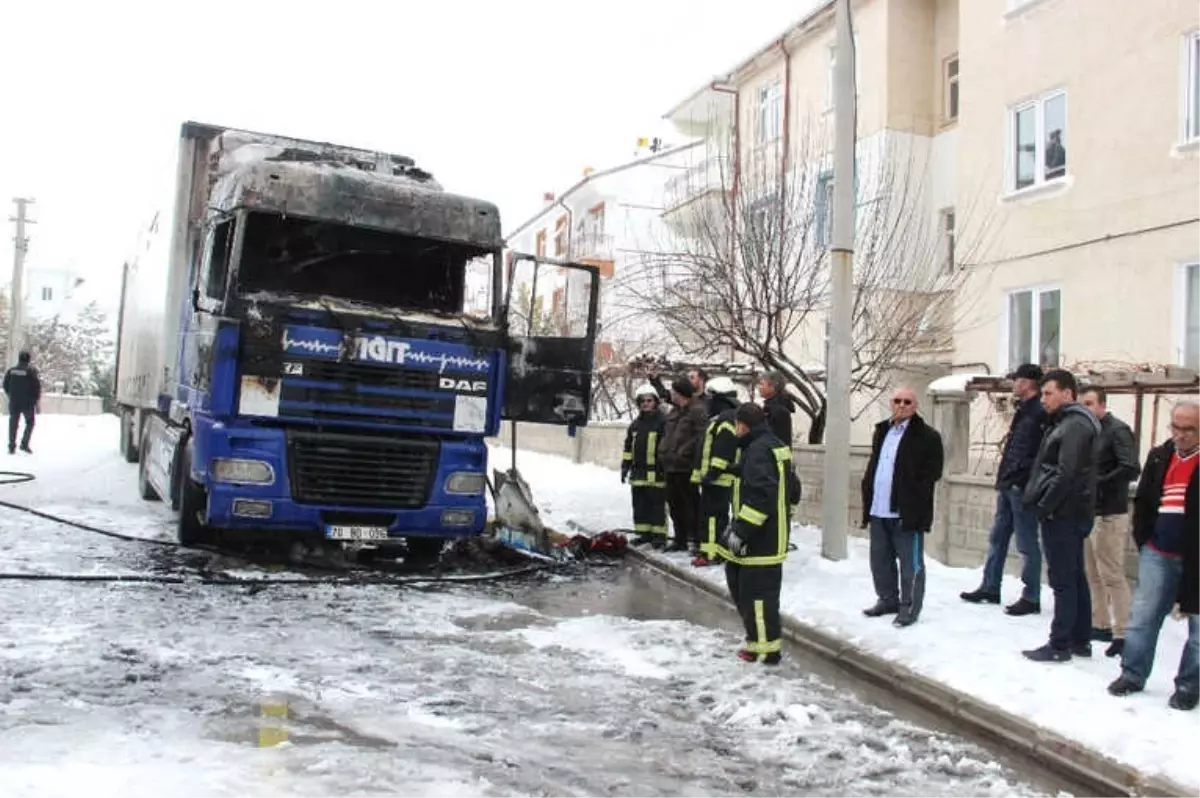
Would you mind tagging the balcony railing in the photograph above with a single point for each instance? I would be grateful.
(592, 245)
(708, 175)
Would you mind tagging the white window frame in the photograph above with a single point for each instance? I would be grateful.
(1035, 322)
(770, 113)
(1038, 104)
(948, 82)
(947, 226)
(1189, 123)
(1179, 336)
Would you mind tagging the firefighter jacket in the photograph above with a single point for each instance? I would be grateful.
(641, 461)
(762, 495)
(718, 449)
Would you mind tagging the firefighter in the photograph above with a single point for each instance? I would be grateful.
(24, 392)
(716, 457)
(641, 464)
(755, 543)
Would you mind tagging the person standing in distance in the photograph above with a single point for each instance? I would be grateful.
(1062, 491)
(897, 495)
(24, 392)
(684, 426)
(777, 405)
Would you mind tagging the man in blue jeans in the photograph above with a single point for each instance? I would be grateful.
(1020, 447)
(1165, 527)
(1062, 491)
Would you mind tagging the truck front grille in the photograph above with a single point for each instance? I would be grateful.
(361, 471)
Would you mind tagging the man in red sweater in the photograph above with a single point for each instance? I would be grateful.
(1167, 531)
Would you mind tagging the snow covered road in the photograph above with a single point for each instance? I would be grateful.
(605, 685)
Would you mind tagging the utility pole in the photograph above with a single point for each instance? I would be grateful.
(16, 321)
(836, 495)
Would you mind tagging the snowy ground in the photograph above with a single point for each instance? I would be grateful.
(975, 649)
(549, 686)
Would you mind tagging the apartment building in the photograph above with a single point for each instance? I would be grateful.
(610, 219)
(1056, 142)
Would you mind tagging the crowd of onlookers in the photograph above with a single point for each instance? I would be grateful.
(1062, 489)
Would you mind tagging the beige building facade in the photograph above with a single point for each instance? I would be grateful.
(1057, 144)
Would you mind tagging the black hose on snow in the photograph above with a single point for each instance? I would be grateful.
(20, 477)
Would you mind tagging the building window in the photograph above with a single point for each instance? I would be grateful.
(1190, 346)
(1034, 327)
(1191, 86)
(823, 218)
(770, 112)
(947, 225)
(47, 293)
(1039, 141)
(560, 237)
(950, 79)
(540, 244)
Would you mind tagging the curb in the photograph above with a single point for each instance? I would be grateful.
(1065, 756)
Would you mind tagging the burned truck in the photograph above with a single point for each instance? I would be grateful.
(319, 338)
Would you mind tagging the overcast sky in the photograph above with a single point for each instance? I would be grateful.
(500, 100)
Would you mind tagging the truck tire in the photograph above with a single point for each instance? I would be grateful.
(129, 446)
(190, 530)
(145, 489)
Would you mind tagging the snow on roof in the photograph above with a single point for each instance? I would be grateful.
(954, 383)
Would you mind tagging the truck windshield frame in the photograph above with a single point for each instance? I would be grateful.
(307, 257)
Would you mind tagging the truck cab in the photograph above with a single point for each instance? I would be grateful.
(339, 337)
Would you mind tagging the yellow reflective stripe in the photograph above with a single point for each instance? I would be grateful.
(725, 425)
(719, 462)
(651, 445)
(706, 451)
(709, 546)
(724, 481)
(645, 483)
(781, 508)
(782, 454)
(771, 647)
(749, 514)
(760, 626)
(627, 456)
(773, 559)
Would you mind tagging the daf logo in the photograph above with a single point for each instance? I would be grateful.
(462, 386)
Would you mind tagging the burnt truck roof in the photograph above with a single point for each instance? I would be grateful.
(330, 182)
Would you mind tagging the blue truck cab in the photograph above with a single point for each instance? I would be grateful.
(322, 339)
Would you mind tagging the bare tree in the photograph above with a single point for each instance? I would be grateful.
(748, 271)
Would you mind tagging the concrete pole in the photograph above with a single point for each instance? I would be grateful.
(836, 497)
(16, 322)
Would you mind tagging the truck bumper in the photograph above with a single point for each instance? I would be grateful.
(273, 507)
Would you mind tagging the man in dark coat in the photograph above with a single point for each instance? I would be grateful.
(641, 464)
(1166, 529)
(755, 543)
(777, 405)
(685, 424)
(24, 391)
(1062, 491)
(1020, 447)
(1104, 551)
(897, 496)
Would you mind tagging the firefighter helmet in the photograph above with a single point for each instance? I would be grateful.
(721, 386)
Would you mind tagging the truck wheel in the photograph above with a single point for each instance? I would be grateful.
(145, 489)
(129, 447)
(190, 530)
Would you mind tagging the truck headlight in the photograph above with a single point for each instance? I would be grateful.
(245, 472)
(465, 483)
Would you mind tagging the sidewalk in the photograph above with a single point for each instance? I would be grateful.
(975, 650)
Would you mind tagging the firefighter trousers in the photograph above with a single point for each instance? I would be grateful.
(714, 509)
(649, 509)
(755, 591)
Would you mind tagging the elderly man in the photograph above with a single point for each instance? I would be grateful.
(1165, 529)
(897, 495)
(1062, 491)
(777, 405)
(1104, 552)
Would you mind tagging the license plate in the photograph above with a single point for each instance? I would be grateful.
(341, 532)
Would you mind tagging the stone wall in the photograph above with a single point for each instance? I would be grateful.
(65, 404)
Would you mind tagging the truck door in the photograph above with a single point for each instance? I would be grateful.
(550, 312)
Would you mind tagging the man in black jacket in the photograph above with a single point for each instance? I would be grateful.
(1020, 447)
(897, 495)
(1062, 491)
(1104, 552)
(685, 424)
(24, 392)
(754, 545)
(777, 405)
(1165, 524)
